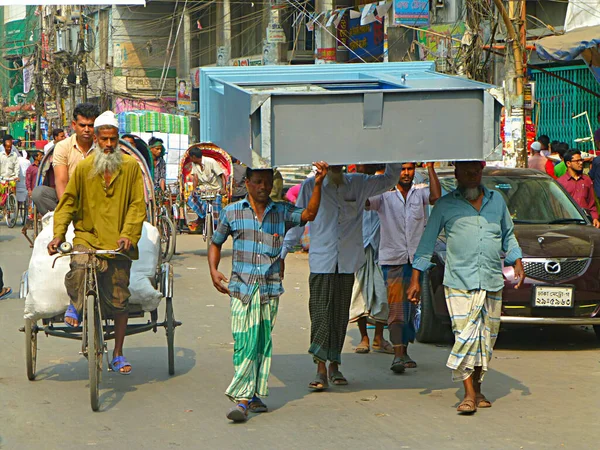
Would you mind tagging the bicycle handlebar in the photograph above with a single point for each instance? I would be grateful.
(66, 249)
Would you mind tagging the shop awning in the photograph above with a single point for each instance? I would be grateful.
(581, 42)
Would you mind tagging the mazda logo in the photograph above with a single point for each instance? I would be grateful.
(552, 267)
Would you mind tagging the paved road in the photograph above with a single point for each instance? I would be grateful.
(544, 384)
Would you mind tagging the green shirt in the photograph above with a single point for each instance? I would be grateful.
(102, 215)
(560, 169)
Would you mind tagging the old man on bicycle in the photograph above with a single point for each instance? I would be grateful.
(209, 181)
(105, 201)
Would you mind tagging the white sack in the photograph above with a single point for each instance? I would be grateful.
(47, 296)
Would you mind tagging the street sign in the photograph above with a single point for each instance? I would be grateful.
(150, 84)
(51, 110)
(275, 35)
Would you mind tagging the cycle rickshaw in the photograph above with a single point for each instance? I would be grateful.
(96, 327)
(186, 217)
(9, 207)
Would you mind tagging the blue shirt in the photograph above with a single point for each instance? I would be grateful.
(370, 230)
(474, 241)
(336, 241)
(595, 174)
(256, 246)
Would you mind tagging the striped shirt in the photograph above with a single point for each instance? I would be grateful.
(256, 246)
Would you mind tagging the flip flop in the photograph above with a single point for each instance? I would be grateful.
(256, 405)
(118, 363)
(239, 413)
(362, 349)
(320, 383)
(467, 407)
(385, 348)
(398, 366)
(482, 402)
(7, 291)
(71, 313)
(338, 379)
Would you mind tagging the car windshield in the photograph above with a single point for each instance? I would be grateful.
(536, 200)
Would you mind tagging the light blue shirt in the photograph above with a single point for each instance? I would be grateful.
(474, 241)
(370, 230)
(336, 240)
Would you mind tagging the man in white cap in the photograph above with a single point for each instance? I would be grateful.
(67, 154)
(537, 161)
(105, 200)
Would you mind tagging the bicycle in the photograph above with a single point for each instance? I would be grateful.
(165, 226)
(212, 199)
(8, 202)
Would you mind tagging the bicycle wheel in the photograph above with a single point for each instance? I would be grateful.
(30, 348)
(170, 318)
(11, 210)
(208, 229)
(94, 350)
(167, 238)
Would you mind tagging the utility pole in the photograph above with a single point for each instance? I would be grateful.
(325, 40)
(39, 80)
(223, 33)
(516, 154)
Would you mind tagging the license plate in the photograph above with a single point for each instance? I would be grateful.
(553, 297)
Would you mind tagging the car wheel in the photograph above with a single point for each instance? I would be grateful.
(429, 327)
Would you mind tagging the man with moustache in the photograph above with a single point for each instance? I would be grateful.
(257, 225)
(105, 200)
(578, 185)
(402, 216)
(336, 253)
(478, 228)
(67, 154)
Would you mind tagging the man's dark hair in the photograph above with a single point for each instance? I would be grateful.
(250, 172)
(561, 149)
(154, 140)
(544, 140)
(553, 144)
(196, 152)
(8, 137)
(569, 155)
(56, 132)
(87, 110)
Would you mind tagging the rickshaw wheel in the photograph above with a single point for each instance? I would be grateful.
(11, 210)
(30, 348)
(167, 239)
(170, 318)
(208, 226)
(94, 351)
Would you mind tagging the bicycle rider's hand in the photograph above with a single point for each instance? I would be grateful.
(219, 281)
(53, 246)
(124, 244)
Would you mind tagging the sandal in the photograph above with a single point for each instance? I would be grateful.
(385, 348)
(362, 349)
(5, 293)
(398, 365)
(71, 313)
(118, 363)
(482, 402)
(256, 405)
(408, 362)
(467, 406)
(320, 383)
(239, 413)
(338, 379)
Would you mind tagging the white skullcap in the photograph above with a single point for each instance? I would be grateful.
(536, 146)
(107, 118)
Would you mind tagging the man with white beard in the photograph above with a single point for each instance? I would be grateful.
(336, 253)
(478, 228)
(105, 200)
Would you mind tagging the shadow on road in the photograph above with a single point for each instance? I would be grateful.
(556, 337)
(149, 366)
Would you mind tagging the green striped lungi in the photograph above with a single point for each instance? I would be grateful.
(251, 326)
(475, 321)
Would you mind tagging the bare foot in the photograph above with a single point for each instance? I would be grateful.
(71, 321)
(363, 347)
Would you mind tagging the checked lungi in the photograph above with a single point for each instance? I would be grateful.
(401, 311)
(251, 326)
(329, 307)
(369, 294)
(475, 321)
(200, 206)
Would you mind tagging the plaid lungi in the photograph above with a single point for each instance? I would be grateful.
(369, 295)
(251, 326)
(329, 307)
(475, 321)
(402, 312)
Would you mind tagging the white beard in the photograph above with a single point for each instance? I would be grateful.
(106, 162)
(470, 194)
